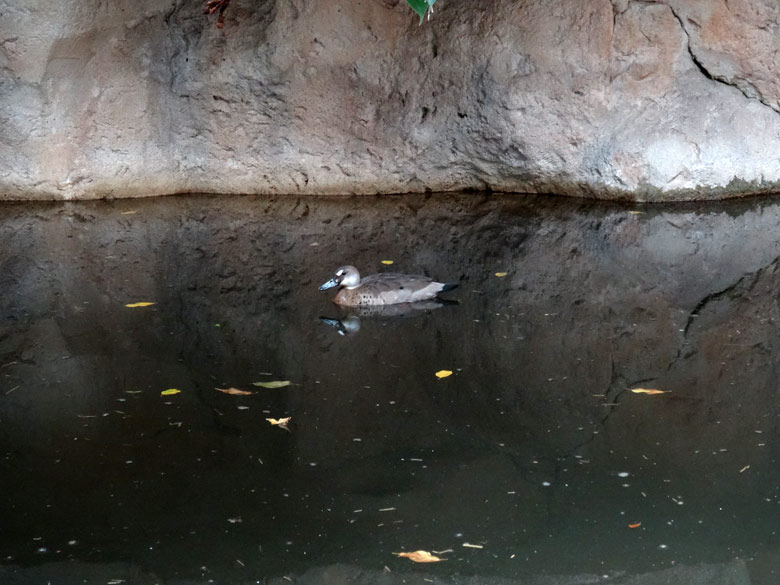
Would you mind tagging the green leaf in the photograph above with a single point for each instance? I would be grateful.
(274, 384)
(421, 7)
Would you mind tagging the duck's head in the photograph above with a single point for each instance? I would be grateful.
(346, 326)
(345, 276)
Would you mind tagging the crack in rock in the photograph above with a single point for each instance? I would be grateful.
(755, 95)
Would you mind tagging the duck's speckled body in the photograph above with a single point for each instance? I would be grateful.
(382, 289)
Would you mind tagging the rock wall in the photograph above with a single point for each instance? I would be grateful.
(676, 99)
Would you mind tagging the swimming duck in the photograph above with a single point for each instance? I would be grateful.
(382, 289)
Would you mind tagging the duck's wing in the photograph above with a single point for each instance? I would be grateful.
(393, 288)
(395, 280)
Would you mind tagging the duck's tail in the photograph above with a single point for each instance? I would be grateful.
(448, 287)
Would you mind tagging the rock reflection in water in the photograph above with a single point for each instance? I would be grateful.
(534, 448)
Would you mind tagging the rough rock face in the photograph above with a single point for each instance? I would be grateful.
(677, 99)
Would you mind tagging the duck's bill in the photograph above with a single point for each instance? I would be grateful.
(350, 324)
(330, 284)
(335, 323)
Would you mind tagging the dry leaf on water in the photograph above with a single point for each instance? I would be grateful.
(274, 384)
(420, 556)
(647, 391)
(280, 422)
(501, 274)
(635, 525)
(234, 391)
(387, 262)
(443, 374)
(170, 392)
(136, 305)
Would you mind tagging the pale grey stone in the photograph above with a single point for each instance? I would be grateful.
(651, 101)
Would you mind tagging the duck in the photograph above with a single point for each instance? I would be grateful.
(386, 288)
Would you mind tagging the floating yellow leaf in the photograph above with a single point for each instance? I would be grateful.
(274, 384)
(131, 212)
(170, 392)
(388, 262)
(234, 391)
(635, 525)
(443, 374)
(280, 422)
(647, 391)
(136, 305)
(501, 274)
(420, 556)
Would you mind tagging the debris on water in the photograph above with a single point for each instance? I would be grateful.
(650, 391)
(280, 422)
(273, 384)
(235, 391)
(419, 556)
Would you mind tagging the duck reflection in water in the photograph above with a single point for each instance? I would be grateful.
(350, 323)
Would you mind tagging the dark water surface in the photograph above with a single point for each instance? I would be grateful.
(534, 449)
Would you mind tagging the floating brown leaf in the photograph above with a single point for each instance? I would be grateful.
(234, 391)
(420, 556)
